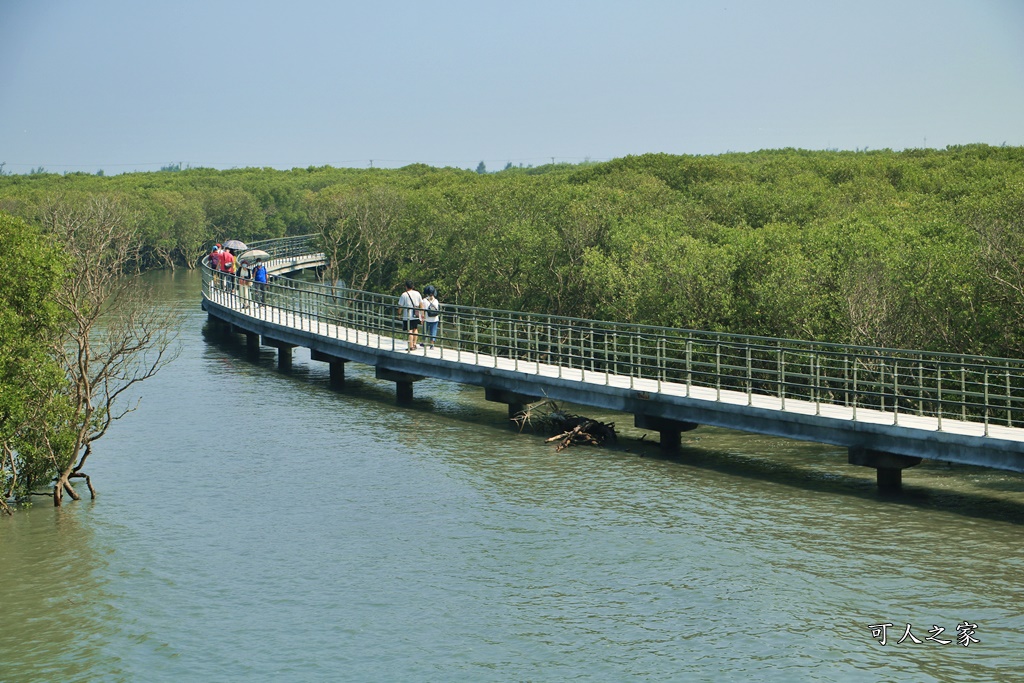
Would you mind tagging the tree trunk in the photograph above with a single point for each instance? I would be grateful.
(63, 486)
(88, 481)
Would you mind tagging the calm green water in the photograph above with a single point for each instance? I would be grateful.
(254, 525)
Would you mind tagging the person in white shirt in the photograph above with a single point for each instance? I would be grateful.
(412, 313)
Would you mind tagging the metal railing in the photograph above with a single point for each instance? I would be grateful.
(901, 382)
(285, 247)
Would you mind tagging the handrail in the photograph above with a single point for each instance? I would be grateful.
(898, 381)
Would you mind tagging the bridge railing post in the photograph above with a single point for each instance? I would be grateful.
(963, 393)
(476, 339)
(632, 361)
(816, 373)
(607, 359)
(718, 371)
(881, 386)
(921, 385)
(896, 392)
(846, 379)
(782, 378)
(659, 359)
(986, 401)
(749, 379)
(1009, 413)
(689, 367)
(855, 393)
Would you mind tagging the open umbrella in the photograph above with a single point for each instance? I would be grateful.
(235, 244)
(254, 254)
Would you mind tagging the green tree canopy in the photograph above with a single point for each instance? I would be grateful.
(914, 248)
(32, 402)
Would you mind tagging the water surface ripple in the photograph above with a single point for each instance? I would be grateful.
(255, 525)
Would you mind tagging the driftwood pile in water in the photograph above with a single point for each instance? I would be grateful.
(568, 429)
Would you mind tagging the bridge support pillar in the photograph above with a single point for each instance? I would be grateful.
(516, 402)
(217, 325)
(338, 374)
(252, 343)
(668, 430)
(403, 383)
(403, 393)
(337, 365)
(889, 466)
(284, 352)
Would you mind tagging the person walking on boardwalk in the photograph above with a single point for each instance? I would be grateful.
(412, 314)
(431, 313)
(227, 265)
(215, 264)
(260, 277)
(245, 283)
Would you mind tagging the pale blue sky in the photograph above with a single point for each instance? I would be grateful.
(125, 85)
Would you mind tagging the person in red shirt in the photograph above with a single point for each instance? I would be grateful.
(215, 263)
(227, 265)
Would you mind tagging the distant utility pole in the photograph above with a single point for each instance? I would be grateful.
(371, 163)
(552, 161)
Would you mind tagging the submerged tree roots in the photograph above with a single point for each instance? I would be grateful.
(545, 416)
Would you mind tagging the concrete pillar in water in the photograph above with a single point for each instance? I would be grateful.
(668, 430)
(252, 343)
(888, 466)
(337, 365)
(338, 374)
(216, 325)
(403, 383)
(284, 352)
(516, 402)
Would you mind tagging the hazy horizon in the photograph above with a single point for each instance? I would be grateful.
(120, 86)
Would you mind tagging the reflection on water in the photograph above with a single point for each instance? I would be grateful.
(255, 524)
(53, 597)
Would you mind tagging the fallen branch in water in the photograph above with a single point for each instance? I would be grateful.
(569, 429)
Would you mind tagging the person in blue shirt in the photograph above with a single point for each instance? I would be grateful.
(259, 276)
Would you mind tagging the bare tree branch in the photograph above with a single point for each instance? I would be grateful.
(116, 338)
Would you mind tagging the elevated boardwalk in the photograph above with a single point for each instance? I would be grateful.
(888, 408)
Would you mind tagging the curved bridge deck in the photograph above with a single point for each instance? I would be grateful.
(888, 408)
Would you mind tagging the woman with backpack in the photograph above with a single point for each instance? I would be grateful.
(431, 312)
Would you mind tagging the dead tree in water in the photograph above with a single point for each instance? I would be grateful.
(568, 429)
(116, 337)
